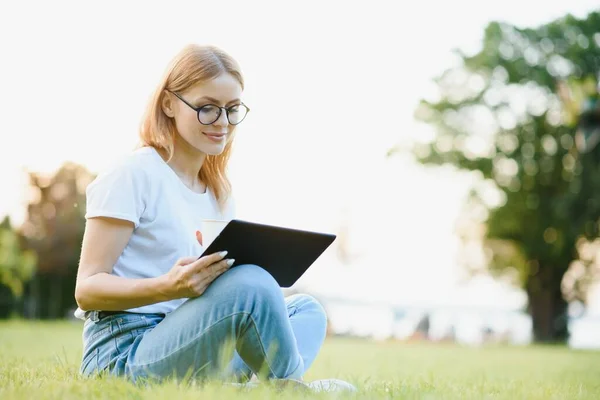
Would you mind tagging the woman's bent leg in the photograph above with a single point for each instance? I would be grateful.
(309, 324)
(244, 307)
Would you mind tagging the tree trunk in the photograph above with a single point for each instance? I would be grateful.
(7, 302)
(547, 306)
(56, 298)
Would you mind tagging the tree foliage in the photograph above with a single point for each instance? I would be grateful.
(54, 230)
(17, 267)
(510, 114)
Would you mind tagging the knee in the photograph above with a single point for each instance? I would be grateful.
(307, 304)
(253, 281)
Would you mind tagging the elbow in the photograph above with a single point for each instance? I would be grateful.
(85, 292)
(81, 297)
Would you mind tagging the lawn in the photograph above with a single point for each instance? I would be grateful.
(40, 360)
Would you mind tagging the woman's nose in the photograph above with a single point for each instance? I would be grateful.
(222, 120)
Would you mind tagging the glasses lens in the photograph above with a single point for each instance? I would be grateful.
(208, 114)
(236, 114)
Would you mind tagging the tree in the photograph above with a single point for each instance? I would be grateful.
(16, 268)
(503, 115)
(54, 230)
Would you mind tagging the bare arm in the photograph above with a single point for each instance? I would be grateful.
(97, 289)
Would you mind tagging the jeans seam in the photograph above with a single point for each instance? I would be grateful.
(262, 346)
(118, 333)
(191, 342)
(97, 333)
(85, 363)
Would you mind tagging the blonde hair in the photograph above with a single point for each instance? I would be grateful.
(192, 65)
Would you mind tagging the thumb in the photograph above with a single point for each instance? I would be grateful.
(199, 237)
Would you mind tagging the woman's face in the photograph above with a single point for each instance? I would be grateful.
(222, 91)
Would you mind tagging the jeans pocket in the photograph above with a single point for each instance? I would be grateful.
(129, 322)
(126, 329)
(92, 330)
(108, 341)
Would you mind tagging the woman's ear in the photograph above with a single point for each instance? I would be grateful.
(167, 105)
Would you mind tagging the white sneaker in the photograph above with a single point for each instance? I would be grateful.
(321, 385)
(278, 384)
(332, 385)
(241, 386)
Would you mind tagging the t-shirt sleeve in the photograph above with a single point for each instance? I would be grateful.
(117, 193)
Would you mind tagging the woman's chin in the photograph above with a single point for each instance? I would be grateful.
(211, 150)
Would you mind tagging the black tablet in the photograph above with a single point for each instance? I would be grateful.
(283, 252)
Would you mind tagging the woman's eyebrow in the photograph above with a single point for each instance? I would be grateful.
(213, 100)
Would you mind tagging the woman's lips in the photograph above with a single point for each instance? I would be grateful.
(215, 137)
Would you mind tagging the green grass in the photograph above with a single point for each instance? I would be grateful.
(40, 360)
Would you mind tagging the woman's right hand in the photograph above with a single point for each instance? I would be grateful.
(190, 276)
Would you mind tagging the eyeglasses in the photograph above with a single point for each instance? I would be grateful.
(209, 113)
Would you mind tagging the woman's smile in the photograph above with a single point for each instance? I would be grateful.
(215, 136)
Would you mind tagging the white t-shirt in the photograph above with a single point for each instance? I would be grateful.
(166, 214)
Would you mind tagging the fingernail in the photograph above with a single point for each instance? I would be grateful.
(230, 262)
(223, 253)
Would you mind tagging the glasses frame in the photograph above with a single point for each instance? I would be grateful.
(198, 109)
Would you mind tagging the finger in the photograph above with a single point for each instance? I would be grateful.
(222, 266)
(199, 237)
(215, 269)
(208, 277)
(205, 261)
(200, 281)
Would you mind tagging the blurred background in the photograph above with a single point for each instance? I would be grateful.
(452, 146)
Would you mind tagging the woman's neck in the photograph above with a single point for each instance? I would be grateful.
(186, 163)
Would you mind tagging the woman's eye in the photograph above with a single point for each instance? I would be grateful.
(208, 109)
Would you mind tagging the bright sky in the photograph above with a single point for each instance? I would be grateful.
(332, 86)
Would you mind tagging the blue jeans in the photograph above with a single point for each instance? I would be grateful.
(268, 334)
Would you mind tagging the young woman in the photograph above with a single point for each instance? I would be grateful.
(152, 309)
